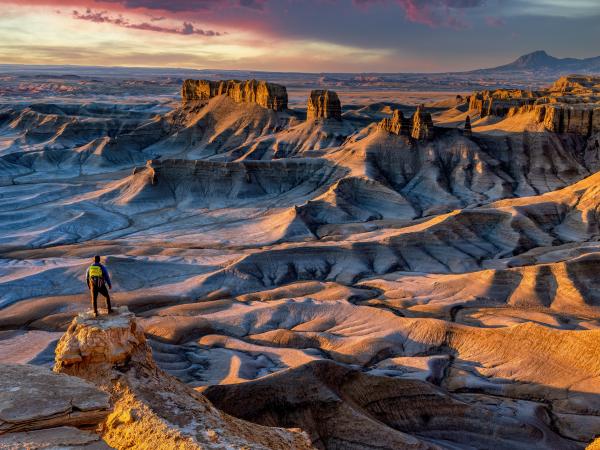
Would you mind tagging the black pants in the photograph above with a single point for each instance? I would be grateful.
(95, 289)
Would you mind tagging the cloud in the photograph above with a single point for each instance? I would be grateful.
(188, 5)
(187, 28)
(496, 22)
(434, 13)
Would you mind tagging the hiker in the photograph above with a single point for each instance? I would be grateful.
(97, 280)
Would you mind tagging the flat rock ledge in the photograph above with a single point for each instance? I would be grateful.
(34, 398)
(53, 439)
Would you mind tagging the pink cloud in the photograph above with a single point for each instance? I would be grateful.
(186, 28)
(434, 13)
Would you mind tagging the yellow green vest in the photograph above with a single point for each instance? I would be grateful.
(95, 271)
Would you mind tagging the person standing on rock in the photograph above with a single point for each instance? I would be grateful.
(97, 279)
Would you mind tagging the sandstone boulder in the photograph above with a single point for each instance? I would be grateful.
(268, 95)
(323, 104)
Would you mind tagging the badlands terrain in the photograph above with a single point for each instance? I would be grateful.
(306, 270)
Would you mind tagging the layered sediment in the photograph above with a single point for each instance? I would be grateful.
(268, 95)
(570, 105)
(323, 104)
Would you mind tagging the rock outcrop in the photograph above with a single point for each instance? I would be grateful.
(34, 398)
(92, 348)
(323, 104)
(570, 105)
(268, 95)
(397, 124)
(419, 126)
(501, 101)
(151, 409)
(67, 438)
(422, 124)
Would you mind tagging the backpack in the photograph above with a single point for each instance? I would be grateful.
(96, 275)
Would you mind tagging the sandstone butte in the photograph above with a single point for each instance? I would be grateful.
(323, 104)
(268, 95)
(419, 126)
(570, 105)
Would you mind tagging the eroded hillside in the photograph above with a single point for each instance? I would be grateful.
(379, 277)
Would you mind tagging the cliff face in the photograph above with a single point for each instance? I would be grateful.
(570, 105)
(582, 119)
(151, 409)
(419, 126)
(323, 105)
(268, 95)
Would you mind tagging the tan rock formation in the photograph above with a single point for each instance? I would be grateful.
(577, 84)
(151, 409)
(595, 445)
(323, 104)
(397, 124)
(422, 124)
(581, 119)
(501, 101)
(268, 95)
(93, 347)
(570, 105)
(419, 126)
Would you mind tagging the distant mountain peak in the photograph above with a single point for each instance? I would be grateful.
(540, 59)
(535, 59)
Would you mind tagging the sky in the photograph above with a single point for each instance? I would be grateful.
(296, 35)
